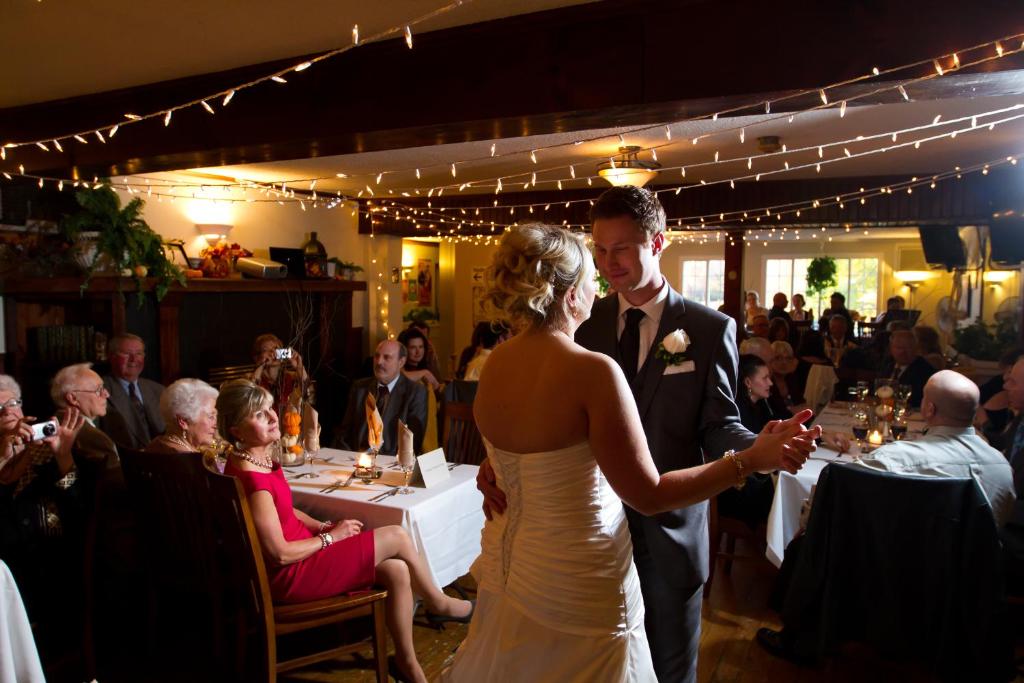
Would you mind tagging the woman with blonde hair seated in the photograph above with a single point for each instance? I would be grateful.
(308, 559)
(189, 411)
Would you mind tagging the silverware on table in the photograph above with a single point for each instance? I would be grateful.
(386, 494)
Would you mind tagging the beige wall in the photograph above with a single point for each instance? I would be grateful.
(258, 226)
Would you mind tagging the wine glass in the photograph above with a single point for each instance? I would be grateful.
(903, 392)
(407, 463)
(898, 429)
(860, 427)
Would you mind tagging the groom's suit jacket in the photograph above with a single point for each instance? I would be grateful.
(407, 402)
(688, 417)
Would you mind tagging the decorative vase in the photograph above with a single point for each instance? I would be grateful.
(315, 256)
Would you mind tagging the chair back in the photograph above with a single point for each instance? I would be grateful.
(172, 506)
(910, 565)
(242, 559)
(460, 391)
(461, 439)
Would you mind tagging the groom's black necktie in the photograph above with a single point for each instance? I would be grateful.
(629, 343)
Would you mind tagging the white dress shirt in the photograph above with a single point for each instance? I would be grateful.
(952, 452)
(649, 324)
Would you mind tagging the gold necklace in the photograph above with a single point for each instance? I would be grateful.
(175, 439)
(248, 457)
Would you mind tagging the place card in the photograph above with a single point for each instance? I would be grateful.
(431, 469)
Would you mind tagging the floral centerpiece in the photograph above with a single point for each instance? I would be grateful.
(219, 260)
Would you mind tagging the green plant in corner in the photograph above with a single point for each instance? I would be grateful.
(821, 276)
(421, 315)
(124, 239)
(346, 265)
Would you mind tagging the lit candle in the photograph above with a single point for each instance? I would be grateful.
(364, 461)
(875, 438)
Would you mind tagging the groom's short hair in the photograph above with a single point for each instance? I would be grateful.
(635, 202)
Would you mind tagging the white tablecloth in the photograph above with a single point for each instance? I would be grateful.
(19, 661)
(444, 522)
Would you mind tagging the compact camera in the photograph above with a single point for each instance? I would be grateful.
(282, 354)
(42, 430)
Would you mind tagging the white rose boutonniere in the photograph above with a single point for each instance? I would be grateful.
(672, 348)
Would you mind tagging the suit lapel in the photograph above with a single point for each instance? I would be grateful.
(647, 380)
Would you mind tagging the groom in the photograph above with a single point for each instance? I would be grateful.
(687, 416)
(687, 410)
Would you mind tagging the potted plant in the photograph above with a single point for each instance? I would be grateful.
(821, 276)
(124, 242)
(421, 314)
(346, 269)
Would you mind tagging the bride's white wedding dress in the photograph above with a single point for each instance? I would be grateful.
(558, 596)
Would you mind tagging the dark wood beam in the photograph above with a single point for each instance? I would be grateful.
(593, 65)
(969, 200)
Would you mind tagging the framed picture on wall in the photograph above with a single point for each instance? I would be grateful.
(425, 282)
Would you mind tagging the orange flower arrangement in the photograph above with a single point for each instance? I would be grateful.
(219, 260)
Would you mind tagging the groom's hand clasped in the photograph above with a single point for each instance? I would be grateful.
(784, 444)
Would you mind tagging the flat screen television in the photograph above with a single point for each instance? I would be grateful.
(1006, 241)
(942, 246)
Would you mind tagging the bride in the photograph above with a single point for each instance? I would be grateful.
(558, 595)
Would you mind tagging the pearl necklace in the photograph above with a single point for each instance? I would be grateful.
(248, 457)
(180, 441)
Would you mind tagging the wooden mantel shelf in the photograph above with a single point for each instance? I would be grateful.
(107, 285)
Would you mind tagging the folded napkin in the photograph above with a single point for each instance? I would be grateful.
(406, 454)
(374, 425)
(311, 426)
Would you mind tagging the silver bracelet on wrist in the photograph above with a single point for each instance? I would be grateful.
(325, 540)
(326, 526)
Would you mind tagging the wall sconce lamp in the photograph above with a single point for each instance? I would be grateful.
(995, 278)
(913, 278)
(213, 232)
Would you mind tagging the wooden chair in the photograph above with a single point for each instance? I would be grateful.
(461, 439)
(217, 376)
(264, 620)
(729, 529)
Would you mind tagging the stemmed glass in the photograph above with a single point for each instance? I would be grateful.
(860, 427)
(407, 463)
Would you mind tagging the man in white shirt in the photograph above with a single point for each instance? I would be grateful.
(951, 447)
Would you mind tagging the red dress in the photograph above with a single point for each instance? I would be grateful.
(345, 566)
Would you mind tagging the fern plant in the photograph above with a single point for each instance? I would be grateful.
(124, 238)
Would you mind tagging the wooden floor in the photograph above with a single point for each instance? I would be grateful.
(728, 652)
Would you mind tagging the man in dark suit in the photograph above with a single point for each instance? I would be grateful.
(778, 310)
(398, 398)
(906, 365)
(133, 410)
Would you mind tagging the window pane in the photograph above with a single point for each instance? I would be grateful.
(716, 283)
(695, 275)
(863, 296)
(778, 278)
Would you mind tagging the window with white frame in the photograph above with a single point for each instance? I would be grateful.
(704, 281)
(857, 277)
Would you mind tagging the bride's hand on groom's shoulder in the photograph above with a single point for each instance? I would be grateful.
(784, 444)
(494, 498)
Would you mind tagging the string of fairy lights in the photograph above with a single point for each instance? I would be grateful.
(102, 133)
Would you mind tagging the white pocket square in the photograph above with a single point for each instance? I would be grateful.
(686, 366)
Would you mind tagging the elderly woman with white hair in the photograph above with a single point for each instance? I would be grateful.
(189, 410)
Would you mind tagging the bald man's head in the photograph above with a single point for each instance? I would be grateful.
(950, 399)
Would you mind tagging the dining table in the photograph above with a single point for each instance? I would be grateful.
(443, 521)
(793, 491)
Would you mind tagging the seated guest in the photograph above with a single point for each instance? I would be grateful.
(786, 381)
(301, 563)
(80, 387)
(837, 341)
(470, 351)
(757, 346)
(778, 330)
(906, 366)
(133, 407)
(759, 326)
(930, 346)
(893, 303)
(281, 377)
(752, 502)
(951, 448)
(753, 307)
(398, 398)
(837, 306)
(189, 409)
(489, 338)
(798, 313)
(778, 309)
(421, 364)
(994, 413)
(812, 348)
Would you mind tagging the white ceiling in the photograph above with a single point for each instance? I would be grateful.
(806, 130)
(54, 49)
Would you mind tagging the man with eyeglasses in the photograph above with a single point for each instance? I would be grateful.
(133, 407)
(79, 386)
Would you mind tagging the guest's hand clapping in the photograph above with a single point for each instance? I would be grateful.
(783, 445)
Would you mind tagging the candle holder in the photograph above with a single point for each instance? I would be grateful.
(366, 469)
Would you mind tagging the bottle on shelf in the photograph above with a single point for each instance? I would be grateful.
(315, 256)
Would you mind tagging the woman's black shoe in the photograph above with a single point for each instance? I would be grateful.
(439, 620)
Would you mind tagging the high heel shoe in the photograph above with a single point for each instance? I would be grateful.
(438, 620)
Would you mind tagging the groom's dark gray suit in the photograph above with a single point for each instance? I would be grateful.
(688, 417)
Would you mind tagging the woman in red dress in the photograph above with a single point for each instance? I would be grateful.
(308, 559)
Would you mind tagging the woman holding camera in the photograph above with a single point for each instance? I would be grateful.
(279, 369)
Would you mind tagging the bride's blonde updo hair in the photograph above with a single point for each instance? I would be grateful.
(534, 267)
